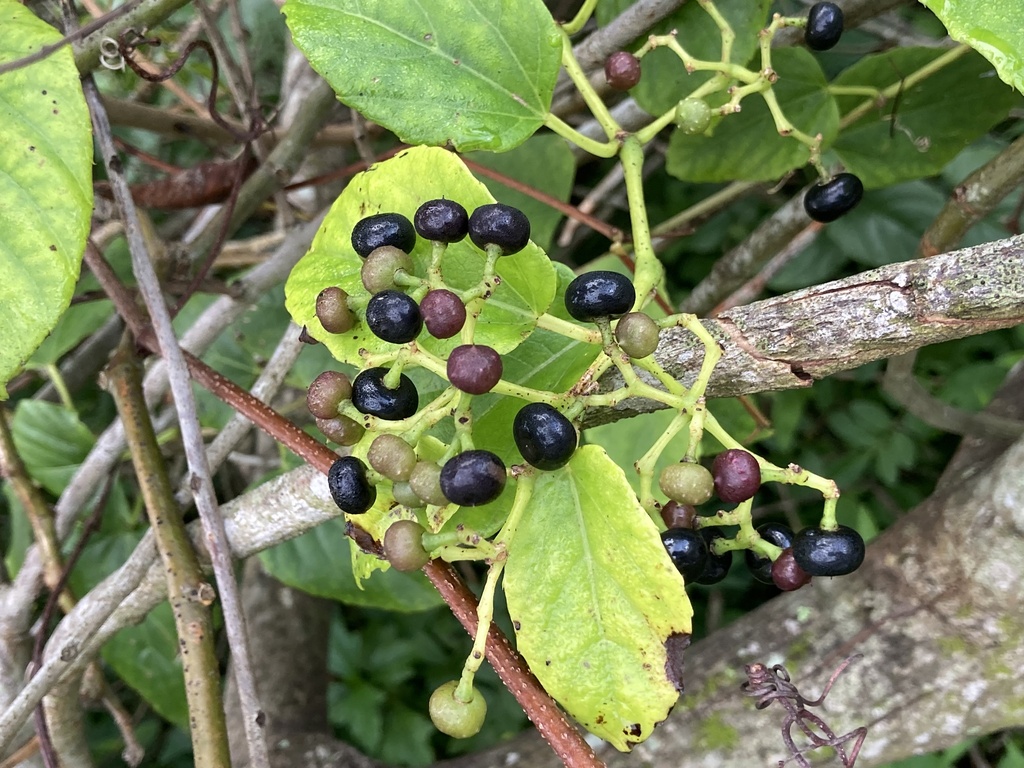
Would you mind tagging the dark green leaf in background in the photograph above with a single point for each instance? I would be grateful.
(51, 441)
(45, 185)
(477, 74)
(934, 120)
(746, 146)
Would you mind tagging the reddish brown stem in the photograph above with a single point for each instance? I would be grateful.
(553, 725)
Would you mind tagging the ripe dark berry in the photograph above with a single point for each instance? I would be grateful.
(474, 368)
(676, 515)
(350, 489)
(383, 229)
(827, 202)
(637, 334)
(378, 271)
(622, 70)
(341, 430)
(403, 546)
(332, 310)
(545, 437)
(500, 225)
(686, 482)
(393, 316)
(717, 566)
(456, 718)
(787, 575)
(737, 475)
(774, 533)
(824, 26)
(688, 551)
(473, 478)
(371, 396)
(328, 391)
(425, 482)
(392, 457)
(828, 553)
(442, 220)
(599, 294)
(443, 313)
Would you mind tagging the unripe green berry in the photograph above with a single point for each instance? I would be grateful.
(342, 430)
(332, 310)
(392, 456)
(406, 496)
(458, 719)
(687, 483)
(378, 271)
(403, 546)
(425, 482)
(693, 116)
(637, 334)
(326, 393)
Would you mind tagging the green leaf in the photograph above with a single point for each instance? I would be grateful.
(477, 74)
(991, 27)
(626, 440)
(665, 80)
(934, 120)
(45, 186)
(146, 655)
(747, 146)
(51, 441)
(76, 324)
(545, 163)
(401, 185)
(600, 611)
(319, 562)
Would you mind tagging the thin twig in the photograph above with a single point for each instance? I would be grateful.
(202, 483)
(187, 590)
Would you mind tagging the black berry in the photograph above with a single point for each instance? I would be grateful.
(500, 225)
(327, 391)
(787, 575)
(442, 220)
(456, 718)
(688, 551)
(403, 546)
(544, 437)
(443, 313)
(392, 457)
(717, 566)
(474, 368)
(383, 229)
(824, 26)
(350, 489)
(622, 70)
(828, 553)
(737, 475)
(774, 533)
(686, 482)
(378, 271)
(827, 202)
(332, 310)
(393, 316)
(637, 334)
(371, 396)
(599, 294)
(473, 478)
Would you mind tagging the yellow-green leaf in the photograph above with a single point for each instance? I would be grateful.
(599, 610)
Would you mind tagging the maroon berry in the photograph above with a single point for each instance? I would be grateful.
(737, 475)
(443, 313)
(678, 515)
(327, 392)
(474, 368)
(787, 574)
(622, 70)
